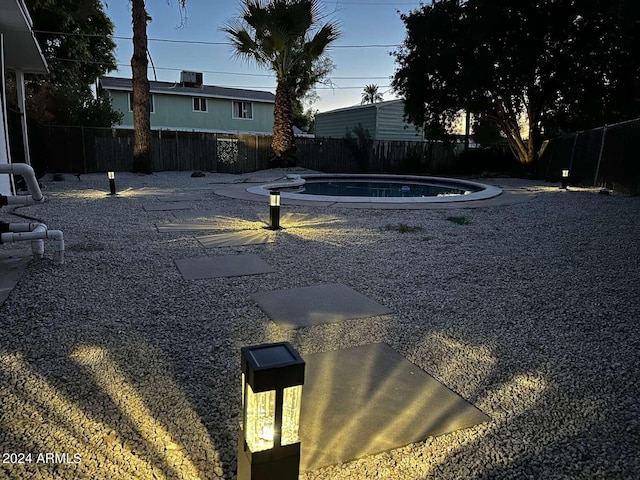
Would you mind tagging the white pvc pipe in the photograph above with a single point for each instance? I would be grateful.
(37, 245)
(36, 233)
(29, 177)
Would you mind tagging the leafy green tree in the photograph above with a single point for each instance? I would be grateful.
(286, 37)
(302, 82)
(301, 118)
(371, 94)
(74, 36)
(527, 67)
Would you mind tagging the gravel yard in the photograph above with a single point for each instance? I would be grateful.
(125, 370)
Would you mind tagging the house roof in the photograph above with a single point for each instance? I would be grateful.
(21, 50)
(176, 88)
(366, 105)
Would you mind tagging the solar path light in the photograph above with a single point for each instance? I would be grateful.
(268, 439)
(565, 178)
(112, 182)
(274, 209)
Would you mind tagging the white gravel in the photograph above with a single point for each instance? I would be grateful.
(530, 311)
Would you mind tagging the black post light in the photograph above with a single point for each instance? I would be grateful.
(565, 178)
(112, 182)
(274, 209)
(268, 439)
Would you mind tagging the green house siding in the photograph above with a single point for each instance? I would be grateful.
(391, 126)
(383, 120)
(176, 112)
(337, 123)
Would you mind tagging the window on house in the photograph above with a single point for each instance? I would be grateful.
(151, 102)
(199, 104)
(243, 110)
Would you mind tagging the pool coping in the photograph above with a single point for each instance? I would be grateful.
(509, 195)
(487, 191)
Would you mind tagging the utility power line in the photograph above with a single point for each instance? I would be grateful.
(198, 42)
(265, 75)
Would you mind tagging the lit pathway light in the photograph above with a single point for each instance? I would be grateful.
(565, 178)
(268, 439)
(274, 209)
(112, 182)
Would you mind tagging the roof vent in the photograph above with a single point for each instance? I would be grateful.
(191, 79)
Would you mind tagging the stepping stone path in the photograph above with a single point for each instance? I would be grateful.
(365, 400)
(357, 401)
(315, 305)
(254, 237)
(222, 266)
(165, 206)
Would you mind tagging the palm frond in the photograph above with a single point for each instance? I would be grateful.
(322, 39)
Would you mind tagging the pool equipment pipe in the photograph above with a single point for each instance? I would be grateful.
(36, 233)
(24, 170)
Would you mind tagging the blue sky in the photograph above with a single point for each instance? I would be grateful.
(362, 22)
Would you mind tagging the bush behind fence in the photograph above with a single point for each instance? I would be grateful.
(93, 150)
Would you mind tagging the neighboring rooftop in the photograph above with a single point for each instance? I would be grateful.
(365, 105)
(177, 88)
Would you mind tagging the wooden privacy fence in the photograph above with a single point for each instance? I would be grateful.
(92, 150)
(602, 157)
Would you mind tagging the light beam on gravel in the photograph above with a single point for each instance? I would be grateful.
(54, 423)
(109, 377)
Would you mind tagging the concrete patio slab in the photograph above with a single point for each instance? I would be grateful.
(193, 214)
(315, 305)
(297, 220)
(214, 221)
(253, 237)
(12, 265)
(369, 399)
(182, 198)
(222, 266)
(165, 206)
(186, 227)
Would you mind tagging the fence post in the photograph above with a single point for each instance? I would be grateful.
(84, 151)
(604, 136)
(160, 152)
(573, 151)
(177, 151)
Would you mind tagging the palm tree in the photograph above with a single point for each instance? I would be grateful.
(371, 94)
(284, 36)
(140, 82)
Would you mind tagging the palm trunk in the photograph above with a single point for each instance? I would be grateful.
(284, 143)
(141, 105)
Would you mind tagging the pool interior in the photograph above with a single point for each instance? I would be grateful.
(370, 188)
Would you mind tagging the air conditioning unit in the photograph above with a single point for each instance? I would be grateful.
(191, 79)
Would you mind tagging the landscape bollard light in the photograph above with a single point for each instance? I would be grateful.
(565, 178)
(268, 438)
(112, 182)
(274, 209)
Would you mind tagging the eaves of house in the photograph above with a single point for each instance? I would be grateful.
(176, 88)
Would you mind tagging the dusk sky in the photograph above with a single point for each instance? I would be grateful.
(371, 29)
